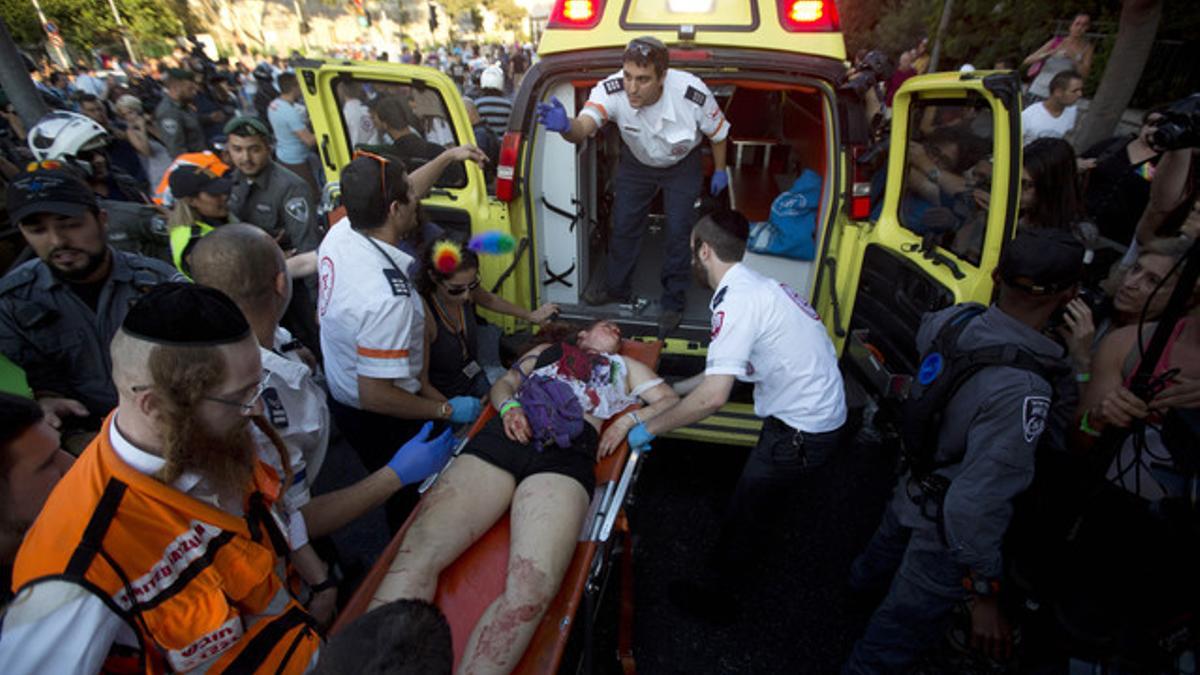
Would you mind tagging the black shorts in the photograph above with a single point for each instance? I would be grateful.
(522, 461)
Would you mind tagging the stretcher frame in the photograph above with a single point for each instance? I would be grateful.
(469, 585)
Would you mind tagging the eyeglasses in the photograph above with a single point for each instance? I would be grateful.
(383, 164)
(246, 408)
(459, 290)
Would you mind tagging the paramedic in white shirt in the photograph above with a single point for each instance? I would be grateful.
(372, 321)
(662, 114)
(246, 263)
(762, 332)
(1054, 117)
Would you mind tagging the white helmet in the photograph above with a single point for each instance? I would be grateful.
(63, 135)
(492, 78)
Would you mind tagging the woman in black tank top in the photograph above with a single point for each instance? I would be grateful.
(451, 329)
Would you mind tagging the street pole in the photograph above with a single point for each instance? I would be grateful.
(936, 53)
(63, 61)
(14, 79)
(300, 22)
(121, 27)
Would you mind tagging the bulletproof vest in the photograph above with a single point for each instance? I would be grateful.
(945, 367)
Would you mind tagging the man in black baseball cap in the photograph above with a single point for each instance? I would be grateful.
(930, 558)
(58, 311)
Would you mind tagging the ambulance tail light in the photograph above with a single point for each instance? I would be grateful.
(506, 169)
(860, 186)
(575, 14)
(808, 16)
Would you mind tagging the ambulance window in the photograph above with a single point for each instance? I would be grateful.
(948, 177)
(372, 111)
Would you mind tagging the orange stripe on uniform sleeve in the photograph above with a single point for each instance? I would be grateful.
(603, 112)
(383, 353)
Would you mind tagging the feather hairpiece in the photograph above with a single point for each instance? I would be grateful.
(492, 243)
(446, 256)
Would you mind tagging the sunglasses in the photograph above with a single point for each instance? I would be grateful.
(641, 48)
(383, 164)
(459, 290)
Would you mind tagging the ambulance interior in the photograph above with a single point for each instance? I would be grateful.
(778, 131)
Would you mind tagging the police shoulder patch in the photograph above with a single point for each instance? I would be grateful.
(695, 96)
(1033, 417)
(614, 85)
(297, 207)
(170, 125)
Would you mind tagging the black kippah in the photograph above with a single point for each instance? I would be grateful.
(182, 314)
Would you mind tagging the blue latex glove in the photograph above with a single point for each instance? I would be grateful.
(639, 439)
(464, 409)
(720, 181)
(553, 115)
(420, 457)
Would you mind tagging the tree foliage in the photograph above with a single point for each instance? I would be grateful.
(980, 31)
(89, 24)
(509, 13)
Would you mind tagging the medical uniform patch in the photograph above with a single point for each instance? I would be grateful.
(614, 85)
(695, 96)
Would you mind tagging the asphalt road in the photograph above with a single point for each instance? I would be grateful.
(794, 618)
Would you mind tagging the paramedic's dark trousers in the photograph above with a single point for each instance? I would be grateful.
(376, 438)
(636, 185)
(917, 609)
(775, 472)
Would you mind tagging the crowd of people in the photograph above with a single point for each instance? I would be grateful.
(191, 331)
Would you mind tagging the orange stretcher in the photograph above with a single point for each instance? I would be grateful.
(471, 583)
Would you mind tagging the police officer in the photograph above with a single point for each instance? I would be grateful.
(181, 130)
(990, 428)
(59, 312)
(762, 332)
(372, 319)
(265, 193)
(77, 140)
(661, 114)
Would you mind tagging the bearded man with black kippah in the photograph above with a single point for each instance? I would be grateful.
(163, 549)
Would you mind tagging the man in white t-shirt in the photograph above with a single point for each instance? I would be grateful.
(372, 319)
(1054, 117)
(662, 114)
(359, 123)
(762, 332)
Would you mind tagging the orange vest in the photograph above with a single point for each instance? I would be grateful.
(204, 160)
(200, 587)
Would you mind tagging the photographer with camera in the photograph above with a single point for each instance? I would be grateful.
(1172, 210)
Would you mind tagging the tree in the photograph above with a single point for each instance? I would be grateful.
(87, 24)
(510, 15)
(1123, 70)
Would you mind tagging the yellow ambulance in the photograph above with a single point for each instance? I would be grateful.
(893, 238)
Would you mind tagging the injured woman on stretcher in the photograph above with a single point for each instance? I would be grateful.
(538, 457)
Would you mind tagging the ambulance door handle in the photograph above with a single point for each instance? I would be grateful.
(831, 265)
(325, 153)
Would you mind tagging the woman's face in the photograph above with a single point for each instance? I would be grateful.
(1140, 281)
(456, 290)
(1028, 191)
(1080, 25)
(602, 337)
